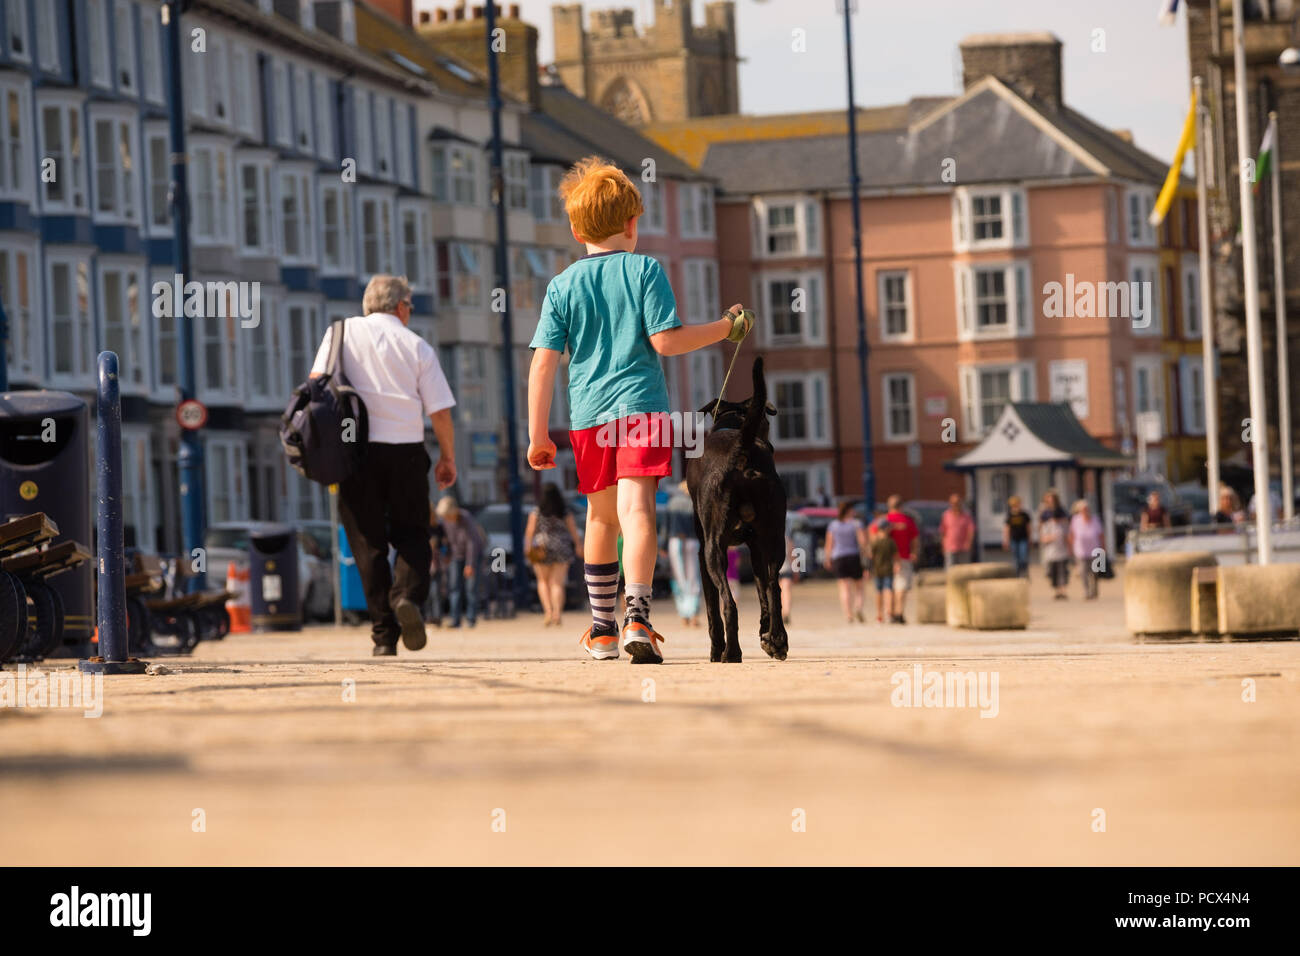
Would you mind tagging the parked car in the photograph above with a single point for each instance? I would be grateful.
(227, 541)
(1131, 497)
(1197, 498)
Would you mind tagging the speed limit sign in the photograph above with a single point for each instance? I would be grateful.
(191, 414)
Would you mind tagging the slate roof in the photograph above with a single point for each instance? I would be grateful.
(992, 132)
(1055, 424)
(566, 128)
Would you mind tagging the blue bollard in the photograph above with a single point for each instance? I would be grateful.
(114, 654)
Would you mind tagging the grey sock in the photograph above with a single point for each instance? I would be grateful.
(637, 597)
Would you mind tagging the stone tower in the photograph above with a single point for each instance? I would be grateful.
(671, 70)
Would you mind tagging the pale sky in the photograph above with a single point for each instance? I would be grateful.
(909, 48)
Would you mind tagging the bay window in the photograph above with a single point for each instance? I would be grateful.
(544, 197)
(516, 181)
(151, 54)
(157, 144)
(376, 212)
(72, 330)
(226, 457)
(47, 37)
(302, 111)
(19, 293)
(113, 140)
(303, 331)
(295, 215)
(16, 31)
(97, 37)
(455, 174)
(460, 279)
(256, 207)
(210, 192)
(324, 117)
(124, 35)
(61, 142)
(416, 243)
(123, 300)
(15, 140)
(336, 226)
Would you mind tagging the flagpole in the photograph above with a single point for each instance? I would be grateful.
(1250, 273)
(1209, 377)
(1283, 363)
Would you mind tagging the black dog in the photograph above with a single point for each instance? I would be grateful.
(739, 499)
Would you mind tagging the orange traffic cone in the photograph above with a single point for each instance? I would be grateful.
(241, 614)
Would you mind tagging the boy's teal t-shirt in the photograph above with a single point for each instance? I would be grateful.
(604, 308)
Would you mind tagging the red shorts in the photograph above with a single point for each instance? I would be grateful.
(634, 447)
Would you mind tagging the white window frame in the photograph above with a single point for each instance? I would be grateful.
(138, 508)
(101, 70)
(386, 233)
(544, 198)
(515, 180)
(280, 103)
(1191, 371)
(134, 354)
(81, 331)
(805, 226)
(456, 173)
(158, 175)
(1138, 203)
(702, 298)
(1021, 385)
(303, 187)
(1190, 294)
(1154, 368)
(304, 115)
(346, 237)
(165, 340)
(243, 103)
(363, 141)
(813, 382)
(419, 211)
(323, 105)
(812, 327)
(232, 505)
(263, 202)
(224, 332)
(48, 56)
(69, 173)
(212, 155)
(655, 220)
(1013, 215)
(16, 25)
(1081, 405)
(16, 158)
(815, 475)
(695, 210)
(126, 184)
(1020, 295)
(151, 68)
(265, 337)
(889, 406)
(126, 78)
(300, 342)
(883, 305)
(221, 111)
(1143, 268)
(25, 351)
(459, 255)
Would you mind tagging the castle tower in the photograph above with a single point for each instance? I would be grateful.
(670, 70)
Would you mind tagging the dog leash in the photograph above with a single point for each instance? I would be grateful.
(726, 378)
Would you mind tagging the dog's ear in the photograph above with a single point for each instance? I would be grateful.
(709, 409)
(771, 409)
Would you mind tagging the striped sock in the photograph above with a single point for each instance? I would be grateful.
(637, 597)
(602, 590)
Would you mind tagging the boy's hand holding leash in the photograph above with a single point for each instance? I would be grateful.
(742, 320)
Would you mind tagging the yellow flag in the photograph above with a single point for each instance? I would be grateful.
(1166, 197)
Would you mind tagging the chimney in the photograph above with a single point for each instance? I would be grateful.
(1028, 62)
(464, 38)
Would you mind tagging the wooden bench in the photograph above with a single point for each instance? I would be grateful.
(27, 562)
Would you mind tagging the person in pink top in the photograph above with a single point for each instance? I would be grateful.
(1085, 541)
(957, 529)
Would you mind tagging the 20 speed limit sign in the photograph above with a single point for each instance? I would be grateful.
(191, 414)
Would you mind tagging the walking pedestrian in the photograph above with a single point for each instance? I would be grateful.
(1085, 536)
(1015, 535)
(845, 542)
(1053, 545)
(466, 542)
(386, 501)
(551, 542)
(684, 557)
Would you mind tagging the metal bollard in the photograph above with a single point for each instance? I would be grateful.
(114, 654)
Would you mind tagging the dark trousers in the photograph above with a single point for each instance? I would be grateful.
(387, 502)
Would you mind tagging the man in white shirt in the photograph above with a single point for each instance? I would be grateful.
(386, 501)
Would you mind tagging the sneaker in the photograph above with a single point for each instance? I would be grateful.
(641, 642)
(600, 645)
(408, 616)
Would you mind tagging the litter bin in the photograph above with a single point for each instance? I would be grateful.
(45, 466)
(273, 579)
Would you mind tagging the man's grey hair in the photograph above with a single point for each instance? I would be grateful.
(384, 292)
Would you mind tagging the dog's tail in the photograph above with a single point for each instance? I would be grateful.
(757, 407)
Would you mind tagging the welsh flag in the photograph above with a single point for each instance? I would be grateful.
(1264, 161)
